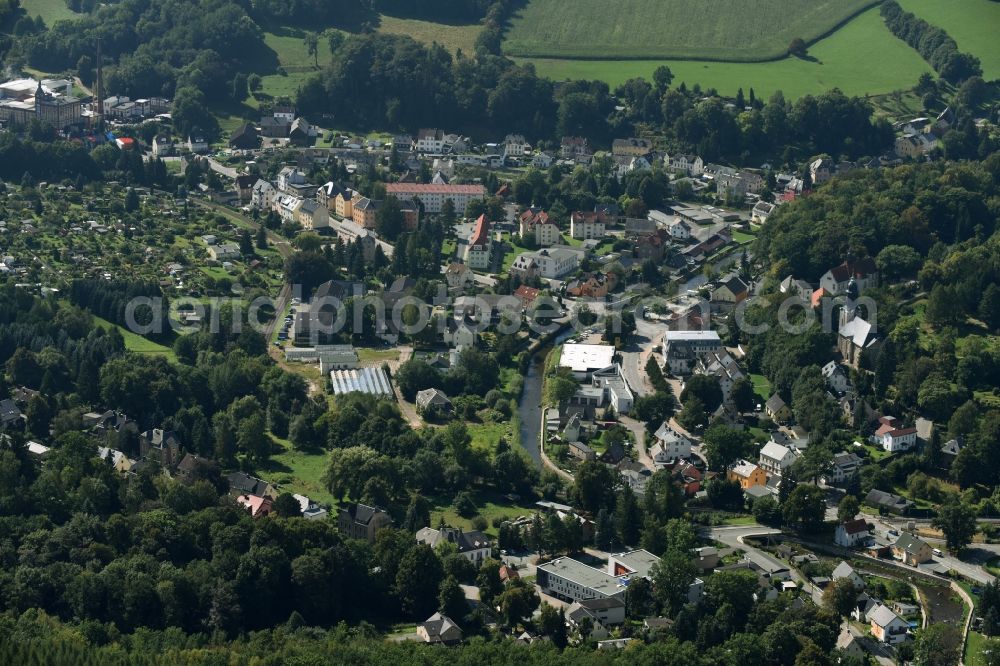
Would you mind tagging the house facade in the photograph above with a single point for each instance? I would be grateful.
(360, 521)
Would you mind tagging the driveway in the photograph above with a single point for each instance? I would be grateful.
(638, 430)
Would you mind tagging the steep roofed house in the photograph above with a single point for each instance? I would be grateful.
(777, 409)
(912, 550)
(473, 546)
(852, 533)
(160, 445)
(746, 474)
(439, 629)
(775, 458)
(360, 521)
(862, 271)
(535, 223)
(479, 251)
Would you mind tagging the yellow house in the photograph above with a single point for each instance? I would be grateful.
(746, 474)
(344, 204)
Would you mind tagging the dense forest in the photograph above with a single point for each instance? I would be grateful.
(932, 230)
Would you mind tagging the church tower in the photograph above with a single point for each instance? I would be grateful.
(850, 308)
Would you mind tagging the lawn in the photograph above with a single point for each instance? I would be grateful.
(50, 10)
(761, 387)
(452, 37)
(136, 343)
(378, 355)
(971, 23)
(843, 60)
(490, 504)
(974, 649)
(299, 472)
(720, 30)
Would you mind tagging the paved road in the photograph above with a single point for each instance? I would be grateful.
(638, 430)
(222, 169)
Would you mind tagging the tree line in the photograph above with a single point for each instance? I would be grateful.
(932, 43)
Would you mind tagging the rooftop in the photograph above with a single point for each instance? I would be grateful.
(585, 358)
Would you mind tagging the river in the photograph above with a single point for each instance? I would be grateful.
(530, 405)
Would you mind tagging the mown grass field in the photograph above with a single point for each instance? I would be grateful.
(744, 30)
(137, 343)
(974, 24)
(299, 472)
(861, 58)
(50, 10)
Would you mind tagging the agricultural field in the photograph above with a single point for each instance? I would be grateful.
(452, 37)
(843, 60)
(971, 23)
(734, 30)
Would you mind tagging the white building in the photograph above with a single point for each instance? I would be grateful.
(852, 533)
(585, 226)
(583, 360)
(775, 458)
(844, 466)
(550, 263)
(681, 349)
(691, 165)
(473, 546)
(430, 141)
(670, 445)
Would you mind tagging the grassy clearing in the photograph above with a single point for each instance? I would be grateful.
(843, 60)
(378, 355)
(721, 30)
(50, 10)
(486, 435)
(761, 386)
(452, 37)
(299, 472)
(137, 343)
(490, 504)
(971, 23)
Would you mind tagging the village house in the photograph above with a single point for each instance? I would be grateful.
(836, 378)
(721, 365)
(526, 295)
(746, 474)
(551, 263)
(572, 147)
(581, 451)
(852, 533)
(912, 550)
(262, 195)
(430, 141)
(439, 629)
(761, 211)
(432, 402)
(160, 445)
(862, 271)
(458, 276)
(820, 171)
(892, 436)
(888, 627)
(775, 458)
(245, 137)
(257, 506)
(196, 141)
(584, 226)
(730, 292)
(689, 165)
(631, 147)
(681, 349)
(888, 502)
(669, 445)
(473, 546)
(592, 285)
(777, 409)
(843, 466)
(535, 223)
(360, 521)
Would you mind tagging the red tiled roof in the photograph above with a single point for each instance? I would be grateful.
(481, 233)
(817, 297)
(526, 293)
(856, 526)
(432, 188)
